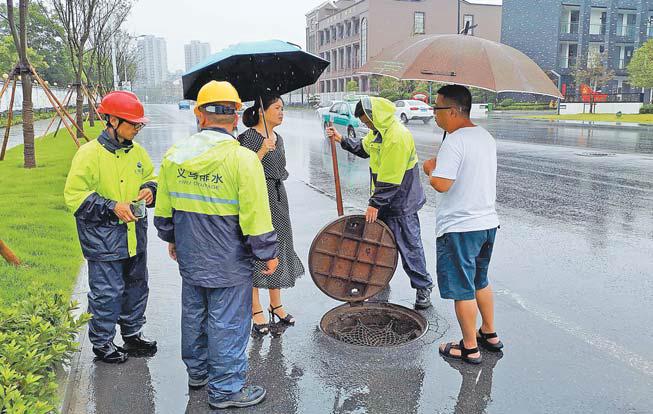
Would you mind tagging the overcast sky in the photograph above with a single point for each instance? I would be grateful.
(222, 22)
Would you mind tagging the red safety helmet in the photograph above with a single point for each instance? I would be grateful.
(124, 105)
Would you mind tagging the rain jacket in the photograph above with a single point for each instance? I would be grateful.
(213, 204)
(395, 185)
(104, 172)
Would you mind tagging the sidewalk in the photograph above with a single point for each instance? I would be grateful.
(303, 371)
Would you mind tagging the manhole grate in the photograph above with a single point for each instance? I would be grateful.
(373, 335)
(374, 324)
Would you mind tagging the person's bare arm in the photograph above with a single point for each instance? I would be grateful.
(441, 185)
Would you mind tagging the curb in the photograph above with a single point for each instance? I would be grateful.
(68, 376)
(591, 124)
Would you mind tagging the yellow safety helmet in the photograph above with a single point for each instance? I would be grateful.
(215, 91)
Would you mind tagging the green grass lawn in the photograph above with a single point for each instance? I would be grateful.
(628, 118)
(34, 221)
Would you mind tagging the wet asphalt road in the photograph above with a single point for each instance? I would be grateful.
(572, 269)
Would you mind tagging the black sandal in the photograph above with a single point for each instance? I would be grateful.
(260, 328)
(288, 319)
(447, 350)
(483, 340)
(464, 352)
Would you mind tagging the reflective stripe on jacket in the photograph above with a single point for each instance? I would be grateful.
(212, 203)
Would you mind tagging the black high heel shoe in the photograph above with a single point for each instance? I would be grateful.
(288, 319)
(260, 328)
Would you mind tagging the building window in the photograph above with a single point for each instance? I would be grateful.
(595, 54)
(598, 21)
(364, 41)
(627, 25)
(624, 55)
(570, 20)
(468, 20)
(419, 23)
(568, 55)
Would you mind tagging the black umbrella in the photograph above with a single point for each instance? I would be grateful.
(256, 69)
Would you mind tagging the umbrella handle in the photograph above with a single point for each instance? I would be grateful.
(265, 124)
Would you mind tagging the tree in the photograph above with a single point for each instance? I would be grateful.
(9, 56)
(84, 26)
(45, 45)
(640, 68)
(393, 89)
(126, 56)
(20, 43)
(76, 18)
(352, 86)
(105, 36)
(595, 73)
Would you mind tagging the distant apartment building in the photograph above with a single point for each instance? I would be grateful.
(348, 33)
(153, 67)
(195, 52)
(563, 35)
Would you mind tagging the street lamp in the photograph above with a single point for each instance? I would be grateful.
(113, 56)
(559, 87)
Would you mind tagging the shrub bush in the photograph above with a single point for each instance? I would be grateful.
(507, 102)
(37, 335)
(646, 109)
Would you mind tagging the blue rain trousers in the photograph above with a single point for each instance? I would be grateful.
(407, 233)
(215, 326)
(118, 294)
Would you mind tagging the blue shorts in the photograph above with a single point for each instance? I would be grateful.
(463, 261)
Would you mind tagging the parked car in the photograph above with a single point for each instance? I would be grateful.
(344, 121)
(408, 110)
(184, 104)
(324, 108)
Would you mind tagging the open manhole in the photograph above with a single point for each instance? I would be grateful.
(595, 154)
(351, 261)
(374, 324)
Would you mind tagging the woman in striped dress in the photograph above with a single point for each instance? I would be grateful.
(271, 152)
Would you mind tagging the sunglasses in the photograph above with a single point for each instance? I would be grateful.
(436, 108)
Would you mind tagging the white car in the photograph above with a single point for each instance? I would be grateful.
(408, 110)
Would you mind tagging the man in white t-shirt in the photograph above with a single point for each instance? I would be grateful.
(465, 172)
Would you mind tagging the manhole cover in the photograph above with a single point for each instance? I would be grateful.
(374, 324)
(595, 154)
(351, 261)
